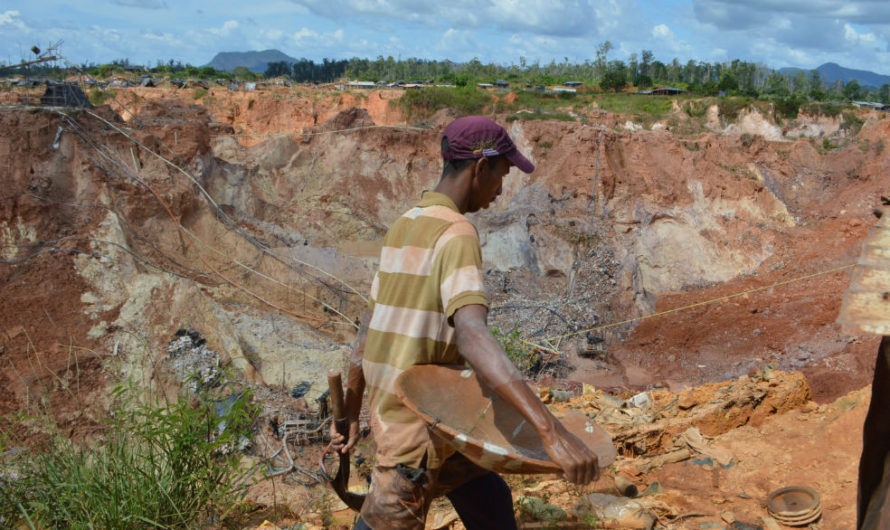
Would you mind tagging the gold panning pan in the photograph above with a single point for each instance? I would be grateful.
(490, 432)
(794, 505)
(866, 305)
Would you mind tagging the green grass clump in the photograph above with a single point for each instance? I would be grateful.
(640, 106)
(165, 465)
(559, 116)
(98, 96)
(423, 103)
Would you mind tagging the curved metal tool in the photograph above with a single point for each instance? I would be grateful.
(340, 483)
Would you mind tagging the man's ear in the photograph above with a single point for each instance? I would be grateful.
(483, 167)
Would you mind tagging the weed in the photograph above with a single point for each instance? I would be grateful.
(879, 147)
(199, 93)
(520, 353)
(161, 465)
(746, 139)
(691, 146)
(695, 109)
(545, 145)
(827, 145)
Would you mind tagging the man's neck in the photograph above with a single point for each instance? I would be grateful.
(457, 189)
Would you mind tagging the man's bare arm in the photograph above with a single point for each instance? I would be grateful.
(355, 389)
(477, 345)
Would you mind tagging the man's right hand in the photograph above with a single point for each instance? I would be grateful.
(579, 464)
(339, 443)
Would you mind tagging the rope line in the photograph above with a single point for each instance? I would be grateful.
(216, 207)
(319, 133)
(686, 307)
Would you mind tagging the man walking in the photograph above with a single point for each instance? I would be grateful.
(428, 305)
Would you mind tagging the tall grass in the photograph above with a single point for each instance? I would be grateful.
(164, 465)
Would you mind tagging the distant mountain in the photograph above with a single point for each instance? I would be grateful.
(254, 61)
(831, 72)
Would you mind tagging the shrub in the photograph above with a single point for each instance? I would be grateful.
(163, 465)
(789, 107)
(824, 109)
(98, 96)
(852, 123)
(731, 107)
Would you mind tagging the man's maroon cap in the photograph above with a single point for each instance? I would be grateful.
(478, 136)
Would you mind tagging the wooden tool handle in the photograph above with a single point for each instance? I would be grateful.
(336, 386)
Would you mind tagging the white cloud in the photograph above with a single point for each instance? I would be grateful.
(553, 17)
(144, 4)
(226, 29)
(13, 19)
(662, 31)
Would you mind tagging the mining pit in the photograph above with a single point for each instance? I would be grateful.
(702, 269)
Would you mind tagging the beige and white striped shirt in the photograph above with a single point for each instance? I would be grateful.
(430, 266)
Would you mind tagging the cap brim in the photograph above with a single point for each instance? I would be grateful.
(518, 159)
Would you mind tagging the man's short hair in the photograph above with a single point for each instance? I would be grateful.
(453, 167)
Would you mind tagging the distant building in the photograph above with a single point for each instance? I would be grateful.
(667, 91)
(484, 85)
(501, 83)
(563, 90)
(870, 105)
(362, 84)
(572, 83)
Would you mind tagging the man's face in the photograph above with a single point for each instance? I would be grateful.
(489, 182)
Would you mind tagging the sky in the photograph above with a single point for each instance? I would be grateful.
(776, 33)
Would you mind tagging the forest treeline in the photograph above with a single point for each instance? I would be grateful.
(641, 71)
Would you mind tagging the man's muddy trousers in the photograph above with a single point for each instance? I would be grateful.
(400, 496)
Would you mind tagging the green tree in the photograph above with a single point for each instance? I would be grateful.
(243, 73)
(615, 77)
(602, 57)
(852, 90)
(884, 94)
(728, 82)
(277, 69)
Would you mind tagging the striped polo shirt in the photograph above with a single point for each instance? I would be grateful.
(430, 266)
